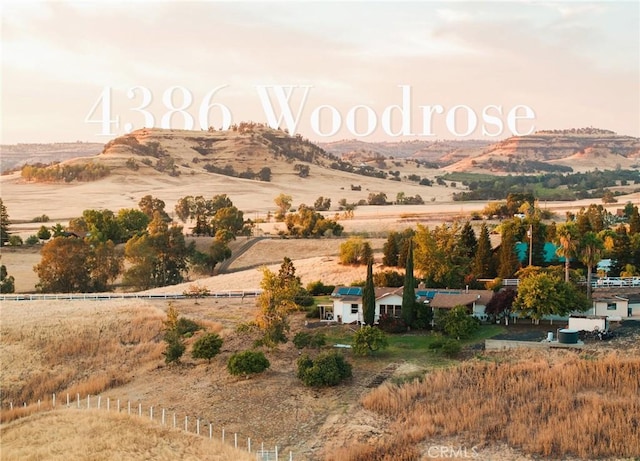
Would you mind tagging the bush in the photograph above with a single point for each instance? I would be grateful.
(187, 327)
(328, 369)
(15, 240)
(318, 288)
(451, 347)
(207, 346)
(390, 324)
(304, 339)
(175, 348)
(32, 240)
(369, 339)
(247, 362)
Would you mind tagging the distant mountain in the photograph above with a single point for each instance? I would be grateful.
(558, 150)
(14, 156)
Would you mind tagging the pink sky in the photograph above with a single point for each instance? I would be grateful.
(575, 64)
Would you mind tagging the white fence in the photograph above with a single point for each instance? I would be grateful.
(103, 296)
(160, 415)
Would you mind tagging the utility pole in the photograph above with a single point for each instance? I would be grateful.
(530, 235)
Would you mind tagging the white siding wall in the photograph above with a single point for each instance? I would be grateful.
(605, 308)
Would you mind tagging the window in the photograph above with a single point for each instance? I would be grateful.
(354, 308)
(612, 306)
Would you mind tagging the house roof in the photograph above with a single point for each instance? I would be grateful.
(448, 301)
(382, 292)
(481, 297)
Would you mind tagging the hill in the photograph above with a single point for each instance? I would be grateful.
(16, 155)
(252, 164)
(578, 150)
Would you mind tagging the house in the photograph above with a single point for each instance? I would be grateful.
(475, 300)
(613, 307)
(347, 301)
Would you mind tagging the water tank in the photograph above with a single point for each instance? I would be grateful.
(549, 336)
(566, 336)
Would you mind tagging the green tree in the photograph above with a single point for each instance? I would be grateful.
(439, 257)
(409, 291)
(483, 265)
(7, 282)
(150, 205)
(390, 250)
(328, 369)
(247, 363)
(508, 262)
(590, 252)
(543, 294)
(567, 238)
(4, 224)
(283, 202)
(468, 239)
(207, 346)
(369, 339)
(355, 251)
(64, 266)
(369, 297)
(457, 322)
(158, 257)
(43, 233)
(132, 222)
(276, 301)
(101, 226)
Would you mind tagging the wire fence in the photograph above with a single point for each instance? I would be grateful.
(162, 416)
(105, 296)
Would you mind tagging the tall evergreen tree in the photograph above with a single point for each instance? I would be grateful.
(4, 224)
(507, 257)
(468, 239)
(390, 250)
(409, 290)
(369, 297)
(483, 266)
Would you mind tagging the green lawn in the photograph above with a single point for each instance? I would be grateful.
(411, 347)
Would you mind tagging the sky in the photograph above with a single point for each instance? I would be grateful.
(374, 71)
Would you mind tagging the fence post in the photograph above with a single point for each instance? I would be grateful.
(249, 444)
(140, 410)
(223, 434)
(118, 405)
(186, 423)
(11, 405)
(38, 404)
(88, 400)
(151, 413)
(78, 399)
(53, 401)
(99, 399)
(163, 416)
(235, 440)
(290, 456)
(108, 404)
(198, 426)
(276, 452)
(67, 400)
(128, 407)
(210, 430)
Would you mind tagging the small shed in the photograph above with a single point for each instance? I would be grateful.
(588, 322)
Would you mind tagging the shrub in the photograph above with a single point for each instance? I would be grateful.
(207, 346)
(175, 348)
(247, 362)
(318, 288)
(451, 347)
(187, 327)
(32, 240)
(369, 339)
(328, 369)
(15, 240)
(390, 324)
(304, 339)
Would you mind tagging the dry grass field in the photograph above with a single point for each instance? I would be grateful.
(93, 435)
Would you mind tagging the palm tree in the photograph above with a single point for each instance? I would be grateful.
(591, 248)
(566, 237)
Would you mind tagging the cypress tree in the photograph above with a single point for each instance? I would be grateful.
(409, 290)
(483, 266)
(369, 297)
